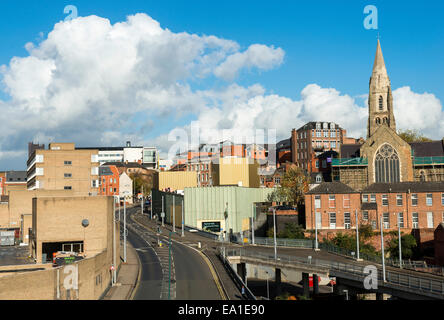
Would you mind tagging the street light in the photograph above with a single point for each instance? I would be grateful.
(399, 240)
(382, 250)
(274, 228)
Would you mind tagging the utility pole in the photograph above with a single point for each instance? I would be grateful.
(252, 223)
(114, 244)
(382, 250)
(151, 203)
(141, 203)
(124, 231)
(163, 213)
(274, 227)
(357, 236)
(399, 240)
(316, 232)
(174, 215)
(183, 222)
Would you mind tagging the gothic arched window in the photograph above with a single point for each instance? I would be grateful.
(387, 165)
(385, 120)
(378, 121)
(381, 103)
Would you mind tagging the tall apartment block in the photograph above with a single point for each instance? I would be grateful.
(63, 167)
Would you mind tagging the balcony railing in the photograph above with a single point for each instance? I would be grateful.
(428, 160)
(349, 162)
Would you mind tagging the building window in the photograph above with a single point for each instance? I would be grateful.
(331, 201)
(378, 121)
(332, 218)
(386, 220)
(68, 163)
(442, 199)
(381, 103)
(67, 187)
(347, 220)
(399, 199)
(385, 200)
(387, 165)
(110, 190)
(317, 165)
(401, 220)
(365, 198)
(365, 215)
(325, 133)
(318, 178)
(373, 198)
(346, 201)
(414, 199)
(333, 144)
(324, 163)
(318, 134)
(317, 202)
(430, 223)
(429, 199)
(277, 180)
(333, 134)
(415, 220)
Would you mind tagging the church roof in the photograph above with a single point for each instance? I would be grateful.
(405, 187)
(332, 188)
(428, 149)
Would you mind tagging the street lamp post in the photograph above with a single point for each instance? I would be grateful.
(141, 203)
(357, 236)
(124, 231)
(174, 215)
(163, 213)
(316, 232)
(151, 203)
(399, 240)
(274, 227)
(183, 222)
(382, 250)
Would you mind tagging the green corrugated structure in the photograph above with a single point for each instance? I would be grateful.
(210, 203)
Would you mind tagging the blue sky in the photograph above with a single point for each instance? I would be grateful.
(325, 43)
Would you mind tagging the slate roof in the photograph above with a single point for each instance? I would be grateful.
(350, 150)
(405, 187)
(105, 171)
(428, 149)
(331, 188)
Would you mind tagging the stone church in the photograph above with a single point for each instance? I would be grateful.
(384, 156)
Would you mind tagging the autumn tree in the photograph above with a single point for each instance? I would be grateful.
(411, 135)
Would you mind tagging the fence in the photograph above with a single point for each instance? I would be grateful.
(394, 279)
(420, 266)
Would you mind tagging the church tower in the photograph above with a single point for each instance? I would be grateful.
(380, 100)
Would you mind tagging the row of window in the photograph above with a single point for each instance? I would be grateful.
(385, 220)
(198, 167)
(110, 190)
(399, 199)
(324, 133)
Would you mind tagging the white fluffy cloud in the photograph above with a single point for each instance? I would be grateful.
(95, 83)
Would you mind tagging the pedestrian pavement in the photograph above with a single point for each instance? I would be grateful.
(128, 276)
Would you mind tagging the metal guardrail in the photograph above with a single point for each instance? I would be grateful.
(420, 266)
(238, 281)
(428, 160)
(349, 161)
(395, 279)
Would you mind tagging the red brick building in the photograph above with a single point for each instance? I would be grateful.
(417, 205)
(108, 181)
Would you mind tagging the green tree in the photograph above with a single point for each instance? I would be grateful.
(411, 135)
(408, 246)
(292, 231)
(138, 182)
(293, 186)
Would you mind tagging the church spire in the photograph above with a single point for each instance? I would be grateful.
(380, 100)
(379, 64)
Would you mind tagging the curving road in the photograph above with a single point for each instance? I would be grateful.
(193, 278)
